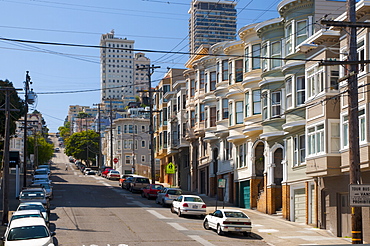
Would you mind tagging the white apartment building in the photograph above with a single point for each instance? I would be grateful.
(117, 67)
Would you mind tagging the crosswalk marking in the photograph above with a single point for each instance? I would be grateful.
(200, 240)
(177, 226)
(156, 214)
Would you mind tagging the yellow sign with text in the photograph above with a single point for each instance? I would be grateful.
(170, 168)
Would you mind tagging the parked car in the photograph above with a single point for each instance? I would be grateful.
(25, 214)
(113, 174)
(126, 183)
(41, 171)
(151, 191)
(124, 177)
(34, 206)
(34, 195)
(188, 204)
(28, 231)
(167, 195)
(91, 172)
(228, 220)
(87, 169)
(44, 166)
(41, 178)
(48, 188)
(106, 171)
(138, 183)
(57, 149)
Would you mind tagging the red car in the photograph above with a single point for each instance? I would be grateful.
(151, 190)
(106, 171)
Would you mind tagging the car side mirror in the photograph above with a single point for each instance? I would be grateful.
(53, 233)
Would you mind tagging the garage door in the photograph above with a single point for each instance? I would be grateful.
(300, 205)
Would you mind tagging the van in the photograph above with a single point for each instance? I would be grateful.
(138, 183)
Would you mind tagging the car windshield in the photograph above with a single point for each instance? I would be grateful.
(157, 187)
(33, 194)
(115, 172)
(33, 207)
(27, 232)
(235, 215)
(174, 192)
(142, 180)
(14, 217)
(193, 199)
(41, 172)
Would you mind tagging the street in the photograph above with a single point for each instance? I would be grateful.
(91, 210)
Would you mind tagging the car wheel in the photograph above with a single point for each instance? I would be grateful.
(206, 225)
(172, 210)
(163, 204)
(219, 230)
(179, 212)
(246, 234)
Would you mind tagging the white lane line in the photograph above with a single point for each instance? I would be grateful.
(156, 214)
(140, 204)
(200, 240)
(267, 230)
(177, 226)
(106, 184)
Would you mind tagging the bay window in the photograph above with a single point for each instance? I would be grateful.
(246, 59)
(247, 113)
(288, 89)
(276, 104)
(264, 105)
(225, 108)
(213, 79)
(288, 39)
(256, 53)
(299, 150)
(300, 90)
(225, 70)
(256, 101)
(231, 115)
(238, 70)
(213, 116)
(315, 141)
(239, 112)
(276, 54)
(301, 31)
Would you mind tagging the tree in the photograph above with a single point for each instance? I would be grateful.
(83, 145)
(65, 131)
(44, 149)
(16, 103)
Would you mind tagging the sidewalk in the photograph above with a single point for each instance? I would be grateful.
(276, 231)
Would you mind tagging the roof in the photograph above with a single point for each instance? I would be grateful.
(30, 203)
(27, 222)
(21, 212)
(230, 210)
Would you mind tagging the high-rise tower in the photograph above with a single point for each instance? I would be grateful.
(211, 21)
(117, 67)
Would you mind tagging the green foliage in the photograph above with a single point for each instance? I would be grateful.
(65, 131)
(44, 149)
(83, 145)
(16, 103)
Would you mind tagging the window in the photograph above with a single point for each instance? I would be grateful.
(192, 118)
(142, 128)
(299, 150)
(300, 87)
(276, 104)
(130, 129)
(241, 156)
(238, 71)
(361, 55)
(119, 130)
(335, 137)
(206, 79)
(165, 139)
(264, 105)
(288, 39)
(201, 114)
(264, 57)
(256, 53)
(119, 145)
(143, 158)
(225, 70)
(288, 88)
(239, 112)
(315, 81)
(302, 31)
(128, 159)
(192, 87)
(362, 125)
(334, 77)
(256, 101)
(247, 113)
(142, 143)
(276, 54)
(345, 131)
(201, 79)
(225, 108)
(125, 128)
(246, 61)
(212, 116)
(213, 79)
(231, 119)
(315, 139)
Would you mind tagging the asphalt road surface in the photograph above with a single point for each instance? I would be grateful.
(93, 211)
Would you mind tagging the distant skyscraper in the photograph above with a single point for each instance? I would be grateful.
(117, 67)
(211, 21)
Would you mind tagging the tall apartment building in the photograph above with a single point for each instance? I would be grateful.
(211, 21)
(117, 67)
(141, 78)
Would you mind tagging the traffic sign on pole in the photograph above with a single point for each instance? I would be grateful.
(115, 160)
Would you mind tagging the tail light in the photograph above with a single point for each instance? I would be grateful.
(166, 195)
(204, 206)
(226, 222)
(185, 205)
(247, 223)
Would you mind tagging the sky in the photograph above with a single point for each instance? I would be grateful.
(64, 75)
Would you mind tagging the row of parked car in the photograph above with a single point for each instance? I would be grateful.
(221, 220)
(29, 224)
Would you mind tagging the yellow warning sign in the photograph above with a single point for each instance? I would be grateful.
(170, 168)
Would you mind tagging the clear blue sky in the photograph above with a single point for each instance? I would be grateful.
(153, 24)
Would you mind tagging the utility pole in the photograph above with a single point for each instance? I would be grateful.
(111, 133)
(353, 126)
(99, 132)
(26, 89)
(150, 70)
(5, 185)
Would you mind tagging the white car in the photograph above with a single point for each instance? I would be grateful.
(188, 204)
(28, 232)
(34, 206)
(25, 214)
(228, 220)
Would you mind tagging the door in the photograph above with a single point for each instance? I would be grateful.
(300, 205)
(246, 196)
(344, 216)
